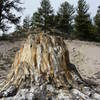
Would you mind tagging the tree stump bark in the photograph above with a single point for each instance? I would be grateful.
(43, 59)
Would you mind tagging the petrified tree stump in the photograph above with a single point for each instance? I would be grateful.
(43, 59)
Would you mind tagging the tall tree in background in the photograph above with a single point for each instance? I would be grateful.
(43, 17)
(26, 24)
(22, 30)
(97, 20)
(7, 7)
(65, 17)
(36, 21)
(82, 21)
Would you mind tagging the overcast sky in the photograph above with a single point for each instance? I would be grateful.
(32, 5)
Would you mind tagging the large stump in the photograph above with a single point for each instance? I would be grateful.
(43, 59)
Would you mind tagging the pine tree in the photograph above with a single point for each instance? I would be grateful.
(65, 17)
(22, 30)
(18, 31)
(36, 20)
(26, 24)
(6, 14)
(83, 23)
(43, 17)
(97, 20)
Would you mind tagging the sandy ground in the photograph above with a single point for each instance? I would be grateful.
(86, 57)
(7, 54)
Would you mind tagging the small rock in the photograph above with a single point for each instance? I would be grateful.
(96, 96)
(11, 91)
(77, 93)
(50, 88)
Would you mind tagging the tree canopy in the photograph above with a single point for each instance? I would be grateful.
(65, 17)
(83, 23)
(8, 9)
(43, 17)
(97, 20)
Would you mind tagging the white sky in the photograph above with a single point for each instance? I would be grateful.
(32, 5)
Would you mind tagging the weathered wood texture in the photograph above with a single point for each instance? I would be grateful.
(42, 59)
